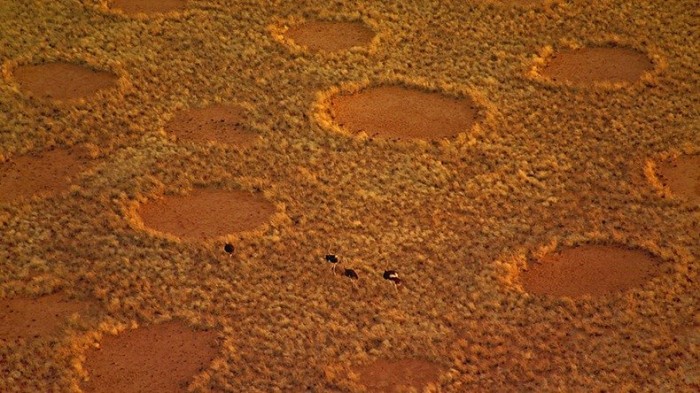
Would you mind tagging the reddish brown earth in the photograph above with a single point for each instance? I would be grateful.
(157, 358)
(590, 65)
(62, 81)
(589, 270)
(330, 36)
(219, 123)
(682, 176)
(133, 7)
(207, 213)
(398, 375)
(400, 112)
(45, 173)
(39, 318)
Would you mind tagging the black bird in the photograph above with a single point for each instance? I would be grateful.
(228, 247)
(393, 276)
(332, 259)
(352, 275)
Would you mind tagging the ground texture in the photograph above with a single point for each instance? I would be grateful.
(557, 126)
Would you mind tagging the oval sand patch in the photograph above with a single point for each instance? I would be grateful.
(62, 81)
(46, 173)
(330, 36)
(28, 318)
(398, 375)
(207, 213)
(682, 176)
(401, 112)
(593, 270)
(157, 358)
(590, 65)
(218, 123)
(148, 7)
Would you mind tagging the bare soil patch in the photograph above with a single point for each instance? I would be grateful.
(207, 213)
(45, 173)
(62, 81)
(133, 7)
(593, 270)
(591, 65)
(27, 318)
(157, 358)
(218, 123)
(401, 112)
(330, 36)
(682, 176)
(398, 375)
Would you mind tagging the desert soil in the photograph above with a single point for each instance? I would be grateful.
(498, 207)
(62, 81)
(330, 36)
(207, 213)
(215, 123)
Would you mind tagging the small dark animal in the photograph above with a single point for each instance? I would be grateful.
(393, 276)
(228, 247)
(352, 275)
(332, 259)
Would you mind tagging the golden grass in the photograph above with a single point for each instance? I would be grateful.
(550, 166)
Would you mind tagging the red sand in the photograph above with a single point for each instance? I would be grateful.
(330, 36)
(589, 270)
(62, 81)
(398, 375)
(590, 65)
(219, 123)
(133, 7)
(46, 173)
(682, 176)
(400, 112)
(38, 318)
(205, 213)
(158, 358)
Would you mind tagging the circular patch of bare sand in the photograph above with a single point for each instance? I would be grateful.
(385, 375)
(218, 123)
(330, 36)
(148, 7)
(207, 213)
(682, 176)
(45, 173)
(600, 64)
(594, 270)
(62, 81)
(156, 358)
(27, 318)
(397, 112)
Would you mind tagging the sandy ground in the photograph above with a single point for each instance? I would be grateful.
(62, 81)
(42, 174)
(158, 358)
(216, 123)
(682, 176)
(330, 36)
(207, 213)
(589, 270)
(399, 112)
(515, 143)
(590, 65)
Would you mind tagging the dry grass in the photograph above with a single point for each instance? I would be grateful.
(549, 167)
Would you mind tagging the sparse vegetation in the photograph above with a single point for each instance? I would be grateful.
(548, 167)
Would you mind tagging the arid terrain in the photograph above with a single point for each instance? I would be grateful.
(511, 190)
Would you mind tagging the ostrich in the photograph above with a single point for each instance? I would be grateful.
(332, 259)
(393, 276)
(228, 247)
(352, 275)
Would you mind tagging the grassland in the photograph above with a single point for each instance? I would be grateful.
(548, 166)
